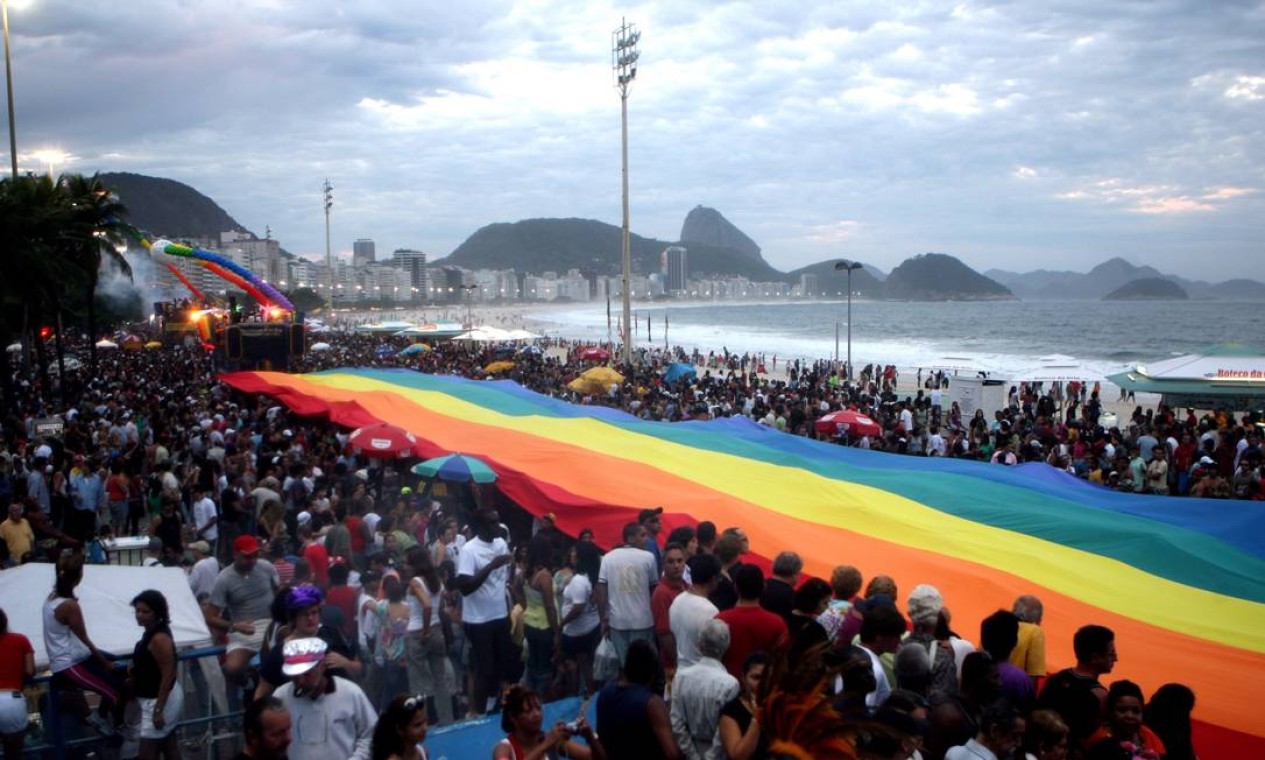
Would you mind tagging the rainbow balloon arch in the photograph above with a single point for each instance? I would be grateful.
(225, 268)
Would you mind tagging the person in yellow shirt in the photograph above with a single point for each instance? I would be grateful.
(17, 534)
(1029, 653)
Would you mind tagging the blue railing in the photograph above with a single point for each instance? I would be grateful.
(54, 732)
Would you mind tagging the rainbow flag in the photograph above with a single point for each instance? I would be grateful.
(1180, 581)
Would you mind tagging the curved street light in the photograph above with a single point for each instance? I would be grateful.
(849, 267)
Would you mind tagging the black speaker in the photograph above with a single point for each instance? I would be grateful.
(233, 342)
(298, 340)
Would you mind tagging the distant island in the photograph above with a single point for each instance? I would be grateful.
(1148, 289)
(940, 277)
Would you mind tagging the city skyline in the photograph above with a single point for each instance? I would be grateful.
(1007, 135)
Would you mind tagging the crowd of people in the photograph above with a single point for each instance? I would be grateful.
(1209, 455)
(355, 610)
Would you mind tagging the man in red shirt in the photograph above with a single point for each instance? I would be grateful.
(670, 586)
(751, 627)
(316, 556)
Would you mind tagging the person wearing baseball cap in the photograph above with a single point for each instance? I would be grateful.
(241, 604)
(651, 520)
(331, 715)
(303, 615)
(204, 571)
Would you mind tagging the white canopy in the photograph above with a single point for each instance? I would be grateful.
(105, 594)
(106, 343)
(1054, 373)
(484, 334)
(1221, 368)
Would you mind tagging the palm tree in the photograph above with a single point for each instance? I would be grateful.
(93, 236)
(31, 220)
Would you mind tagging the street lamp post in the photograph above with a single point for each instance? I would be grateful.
(849, 266)
(469, 300)
(624, 61)
(8, 81)
(329, 256)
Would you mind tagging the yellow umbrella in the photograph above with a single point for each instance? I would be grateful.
(595, 380)
(498, 366)
(154, 344)
(604, 375)
(586, 386)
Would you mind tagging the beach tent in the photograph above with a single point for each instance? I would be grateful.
(1224, 376)
(1180, 581)
(384, 327)
(432, 330)
(106, 595)
(484, 334)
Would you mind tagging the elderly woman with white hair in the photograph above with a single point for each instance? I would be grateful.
(699, 691)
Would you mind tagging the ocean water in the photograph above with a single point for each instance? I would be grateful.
(1004, 337)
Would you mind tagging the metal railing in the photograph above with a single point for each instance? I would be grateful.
(55, 743)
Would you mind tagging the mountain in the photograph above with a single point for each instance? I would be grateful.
(539, 245)
(940, 277)
(169, 208)
(1239, 290)
(832, 283)
(710, 228)
(1111, 275)
(1148, 289)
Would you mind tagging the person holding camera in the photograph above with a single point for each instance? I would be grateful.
(521, 719)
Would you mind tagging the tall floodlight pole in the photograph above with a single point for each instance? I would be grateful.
(624, 61)
(8, 81)
(850, 266)
(329, 255)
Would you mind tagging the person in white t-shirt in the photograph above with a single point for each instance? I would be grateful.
(483, 574)
(206, 518)
(581, 625)
(691, 609)
(624, 584)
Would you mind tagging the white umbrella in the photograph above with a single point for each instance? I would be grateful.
(13, 349)
(105, 343)
(522, 335)
(320, 346)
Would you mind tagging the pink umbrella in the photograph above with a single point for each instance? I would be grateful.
(847, 421)
(593, 353)
(383, 441)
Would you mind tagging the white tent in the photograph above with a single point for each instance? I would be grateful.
(1217, 367)
(105, 594)
(484, 334)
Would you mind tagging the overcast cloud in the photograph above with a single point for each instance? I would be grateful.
(1019, 135)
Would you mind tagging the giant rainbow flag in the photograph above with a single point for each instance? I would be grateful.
(1182, 582)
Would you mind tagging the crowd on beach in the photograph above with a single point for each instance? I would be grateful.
(355, 610)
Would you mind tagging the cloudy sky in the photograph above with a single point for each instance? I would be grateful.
(1017, 134)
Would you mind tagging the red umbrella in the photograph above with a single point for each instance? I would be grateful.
(383, 441)
(847, 421)
(593, 353)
